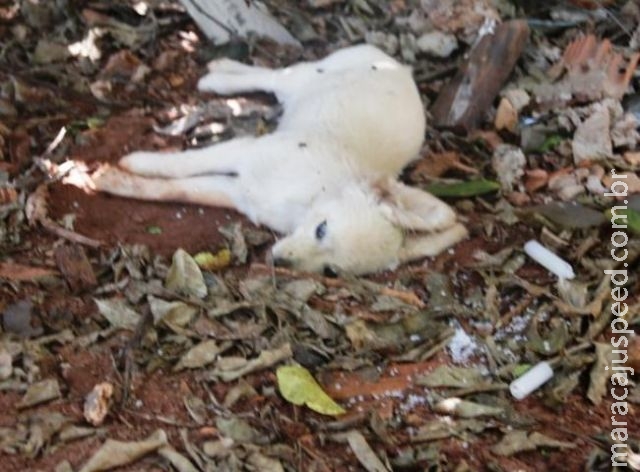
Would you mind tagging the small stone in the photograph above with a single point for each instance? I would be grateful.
(97, 402)
(518, 98)
(508, 163)
(592, 139)
(437, 44)
(389, 43)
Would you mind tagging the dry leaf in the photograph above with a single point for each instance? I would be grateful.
(114, 453)
(184, 276)
(298, 386)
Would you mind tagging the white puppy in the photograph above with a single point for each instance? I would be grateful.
(326, 178)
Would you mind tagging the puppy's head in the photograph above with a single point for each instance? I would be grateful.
(349, 232)
(365, 230)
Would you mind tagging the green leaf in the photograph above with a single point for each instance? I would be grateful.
(551, 142)
(463, 189)
(299, 387)
(520, 369)
(631, 219)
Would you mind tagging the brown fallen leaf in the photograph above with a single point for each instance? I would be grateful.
(535, 179)
(632, 157)
(591, 4)
(632, 180)
(634, 353)
(8, 195)
(594, 70)
(23, 273)
(438, 164)
(123, 64)
(489, 138)
(506, 116)
(75, 266)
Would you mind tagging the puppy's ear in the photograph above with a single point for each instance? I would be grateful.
(413, 209)
(430, 224)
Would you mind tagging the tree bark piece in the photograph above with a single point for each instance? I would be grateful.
(463, 102)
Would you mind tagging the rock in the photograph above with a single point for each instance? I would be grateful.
(389, 43)
(592, 139)
(518, 98)
(438, 44)
(508, 163)
(408, 48)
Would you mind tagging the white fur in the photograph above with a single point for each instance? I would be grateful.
(351, 123)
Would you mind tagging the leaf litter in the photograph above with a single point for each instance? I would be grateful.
(419, 359)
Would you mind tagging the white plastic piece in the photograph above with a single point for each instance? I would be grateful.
(531, 380)
(549, 260)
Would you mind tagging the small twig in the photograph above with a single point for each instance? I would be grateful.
(160, 419)
(69, 235)
(55, 143)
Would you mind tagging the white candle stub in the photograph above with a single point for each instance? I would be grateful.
(549, 260)
(531, 380)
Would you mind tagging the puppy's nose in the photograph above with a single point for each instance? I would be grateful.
(282, 262)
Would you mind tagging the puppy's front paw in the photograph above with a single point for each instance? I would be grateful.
(113, 180)
(220, 83)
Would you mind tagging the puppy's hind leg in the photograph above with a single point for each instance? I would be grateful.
(210, 191)
(229, 77)
(229, 66)
(235, 78)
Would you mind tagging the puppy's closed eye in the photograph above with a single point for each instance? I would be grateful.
(321, 230)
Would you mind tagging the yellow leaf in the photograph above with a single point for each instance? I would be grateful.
(217, 261)
(299, 387)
